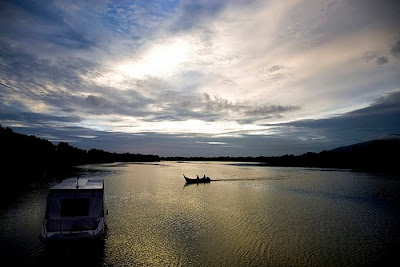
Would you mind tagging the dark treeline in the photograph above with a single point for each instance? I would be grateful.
(377, 155)
(33, 157)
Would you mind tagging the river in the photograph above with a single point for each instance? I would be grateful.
(250, 216)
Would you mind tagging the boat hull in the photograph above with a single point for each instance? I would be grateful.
(197, 181)
(65, 237)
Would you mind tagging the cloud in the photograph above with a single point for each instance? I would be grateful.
(395, 51)
(273, 73)
(208, 69)
(38, 25)
(17, 114)
(381, 117)
(372, 56)
(179, 107)
(194, 14)
(98, 102)
(271, 109)
(382, 60)
(385, 104)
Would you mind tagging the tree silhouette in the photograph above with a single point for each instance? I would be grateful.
(28, 157)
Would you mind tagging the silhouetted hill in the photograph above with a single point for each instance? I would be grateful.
(380, 155)
(379, 144)
(376, 155)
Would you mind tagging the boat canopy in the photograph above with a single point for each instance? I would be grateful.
(87, 183)
(66, 203)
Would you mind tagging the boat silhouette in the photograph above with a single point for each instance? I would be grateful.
(197, 180)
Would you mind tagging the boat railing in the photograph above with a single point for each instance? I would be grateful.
(75, 225)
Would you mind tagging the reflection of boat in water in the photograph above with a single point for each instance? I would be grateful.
(75, 211)
(197, 180)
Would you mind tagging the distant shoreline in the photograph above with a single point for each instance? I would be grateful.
(374, 156)
(39, 155)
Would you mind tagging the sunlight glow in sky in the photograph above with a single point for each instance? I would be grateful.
(201, 77)
(162, 60)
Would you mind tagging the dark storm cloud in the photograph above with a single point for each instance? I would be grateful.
(129, 103)
(76, 136)
(395, 51)
(382, 117)
(35, 118)
(271, 109)
(98, 102)
(27, 15)
(374, 57)
(176, 106)
(382, 60)
(59, 82)
(18, 114)
(35, 23)
(35, 78)
(24, 67)
(388, 104)
(172, 144)
(53, 82)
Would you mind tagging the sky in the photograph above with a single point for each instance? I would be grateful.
(201, 78)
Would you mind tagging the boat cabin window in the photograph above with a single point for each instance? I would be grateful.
(71, 207)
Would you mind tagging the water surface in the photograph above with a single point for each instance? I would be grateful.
(249, 216)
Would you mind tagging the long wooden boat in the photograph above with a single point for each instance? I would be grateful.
(197, 180)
